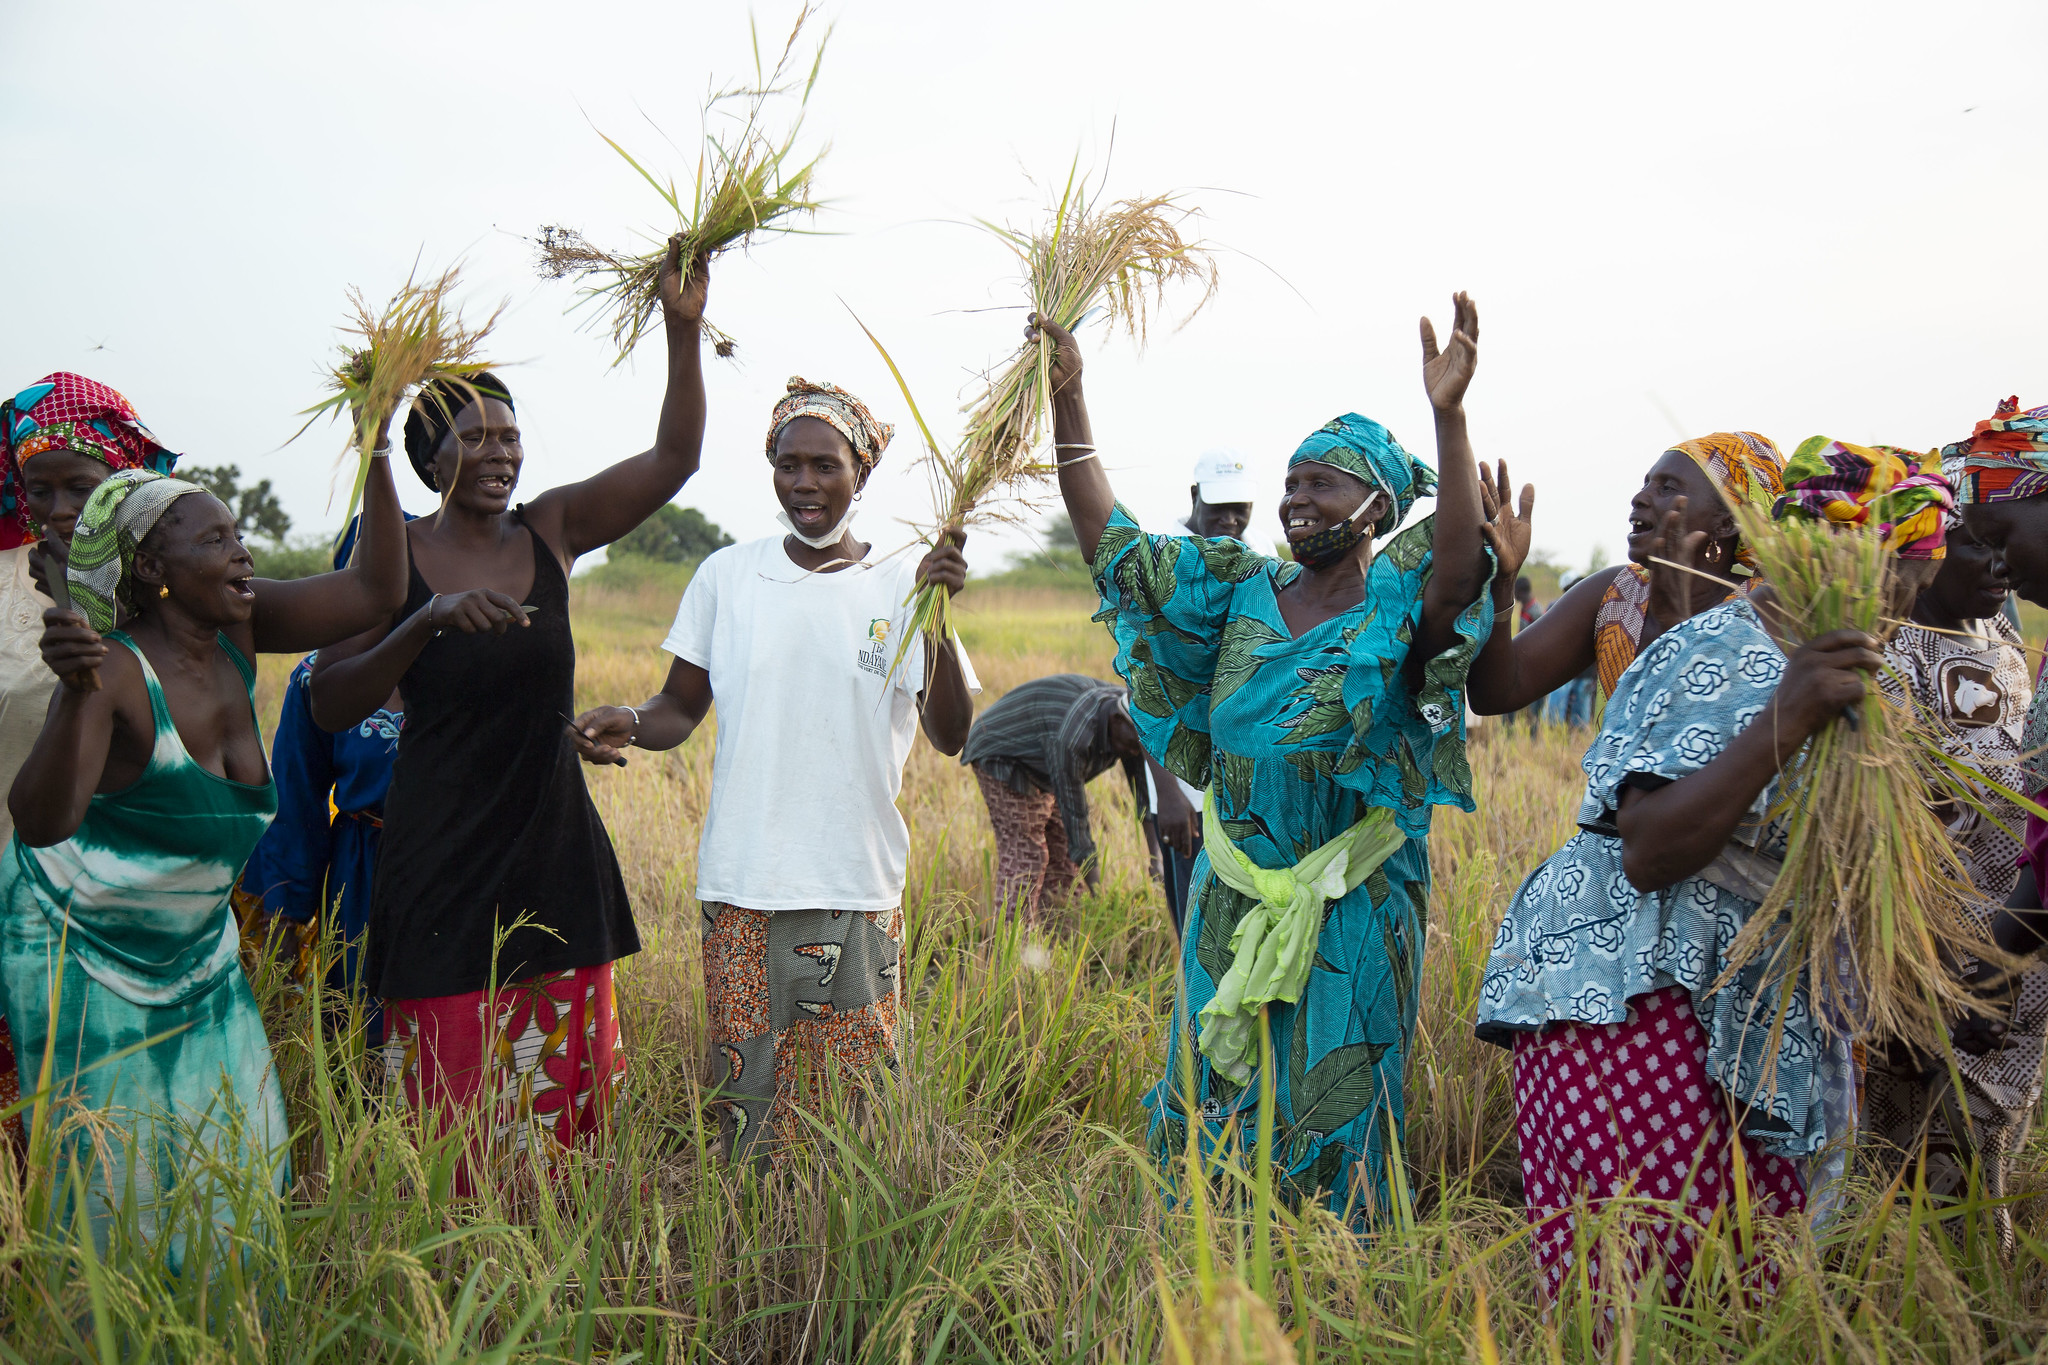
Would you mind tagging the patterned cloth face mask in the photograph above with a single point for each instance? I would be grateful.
(1325, 547)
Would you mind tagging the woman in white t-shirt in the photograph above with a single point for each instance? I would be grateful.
(800, 865)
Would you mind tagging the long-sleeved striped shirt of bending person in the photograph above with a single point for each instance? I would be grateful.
(1052, 735)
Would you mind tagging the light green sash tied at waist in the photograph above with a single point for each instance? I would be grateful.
(1275, 942)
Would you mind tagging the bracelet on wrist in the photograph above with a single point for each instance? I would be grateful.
(634, 738)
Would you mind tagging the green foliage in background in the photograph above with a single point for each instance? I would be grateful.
(673, 535)
(256, 508)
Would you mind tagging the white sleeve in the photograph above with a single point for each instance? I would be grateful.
(689, 638)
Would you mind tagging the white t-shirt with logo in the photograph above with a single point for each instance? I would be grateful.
(813, 730)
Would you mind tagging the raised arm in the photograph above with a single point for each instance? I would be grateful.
(1672, 832)
(1083, 484)
(580, 517)
(295, 615)
(1458, 569)
(63, 770)
(945, 704)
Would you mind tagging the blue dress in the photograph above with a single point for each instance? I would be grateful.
(322, 850)
(1295, 738)
(1579, 941)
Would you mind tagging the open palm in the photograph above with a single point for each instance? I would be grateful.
(1447, 373)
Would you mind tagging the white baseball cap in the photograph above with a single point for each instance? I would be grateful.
(1224, 475)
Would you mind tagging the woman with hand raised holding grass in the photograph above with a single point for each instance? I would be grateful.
(1321, 703)
(801, 866)
(134, 815)
(498, 906)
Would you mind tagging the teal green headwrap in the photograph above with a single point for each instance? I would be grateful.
(1362, 447)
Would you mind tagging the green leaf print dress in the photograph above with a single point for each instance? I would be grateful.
(129, 920)
(1296, 738)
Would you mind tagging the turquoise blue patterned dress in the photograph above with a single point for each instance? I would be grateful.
(1579, 941)
(1300, 736)
(134, 906)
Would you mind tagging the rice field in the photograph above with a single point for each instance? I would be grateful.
(993, 1203)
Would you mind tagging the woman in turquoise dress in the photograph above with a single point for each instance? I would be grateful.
(134, 813)
(1322, 704)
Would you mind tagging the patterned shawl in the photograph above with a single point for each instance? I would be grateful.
(836, 408)
(116, 517)
(68, 412)
(2005, 458)
(1362, 447)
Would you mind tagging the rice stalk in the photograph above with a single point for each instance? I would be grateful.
(748, 183)
(1118, 259)
(1872, 906)
(418, 336)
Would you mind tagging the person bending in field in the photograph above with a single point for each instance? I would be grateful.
(1033, 753)
(1613, 614)
(60, 438)
(1961, 664)
(1627, 1061)
(498, 907)
(1321, 704)
(133, 815)
(799, 639)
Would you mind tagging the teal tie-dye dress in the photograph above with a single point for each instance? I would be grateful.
(1302, 736)
(134, 906)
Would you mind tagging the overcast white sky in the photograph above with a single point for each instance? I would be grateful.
(1790, 217)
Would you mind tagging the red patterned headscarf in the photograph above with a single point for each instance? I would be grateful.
(2005, 457)
(68, 412)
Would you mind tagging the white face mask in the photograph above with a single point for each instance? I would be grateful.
(826, 541)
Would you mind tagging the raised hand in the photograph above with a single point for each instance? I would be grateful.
(1675, 558)
(1823, 678)
(1505, 530)
(1066, 353)
(1447, 373)
(680, 302)
(945, 565)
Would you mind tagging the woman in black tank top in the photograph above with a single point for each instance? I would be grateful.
(496, 884)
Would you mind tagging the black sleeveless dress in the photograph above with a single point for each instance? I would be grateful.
(488, 817)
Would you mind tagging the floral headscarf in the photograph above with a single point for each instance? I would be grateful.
(1745, 468)
(68, 412)
(112, 524)
(2005, 458)
(836, 408)
(1902, 493)
(1362, 447)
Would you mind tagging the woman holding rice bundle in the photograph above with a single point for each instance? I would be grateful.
(1321, 702)
(1628, 1062)
(135, 812)
(1681, 514)
(498, 907)
(795, 637)
(78, 432)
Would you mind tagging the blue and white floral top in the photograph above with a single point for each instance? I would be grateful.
(1579, 941)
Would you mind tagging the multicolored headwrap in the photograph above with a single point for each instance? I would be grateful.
(1360, 446)
(69, 412)
(1900, 492)
(2005, 459)
(836, 408)
(1745, 468)
(114, 521)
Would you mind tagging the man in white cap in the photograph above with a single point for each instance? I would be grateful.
(1221, 501)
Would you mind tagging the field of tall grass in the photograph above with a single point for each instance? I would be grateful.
(993, 1202)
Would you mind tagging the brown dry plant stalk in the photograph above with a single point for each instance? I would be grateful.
(418, 336)
(748, 183)
(1872, 906)
(1118, 259)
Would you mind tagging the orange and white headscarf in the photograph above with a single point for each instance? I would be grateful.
(836, 408)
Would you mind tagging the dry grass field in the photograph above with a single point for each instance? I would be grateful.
(992, 1203)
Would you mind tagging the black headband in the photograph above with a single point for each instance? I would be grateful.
(435, 411)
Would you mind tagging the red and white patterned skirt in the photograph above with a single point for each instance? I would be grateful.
(542, 1053)
(1607, 1110)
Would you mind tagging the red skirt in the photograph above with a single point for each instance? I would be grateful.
(543, 1053)
(1604, 1110)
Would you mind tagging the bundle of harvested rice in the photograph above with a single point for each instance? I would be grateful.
(747, 184)
(1117, 259)
(417, 337)
(1872, 905)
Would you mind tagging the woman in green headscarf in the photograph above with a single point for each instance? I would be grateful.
(133, 815)
(1321, 702)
